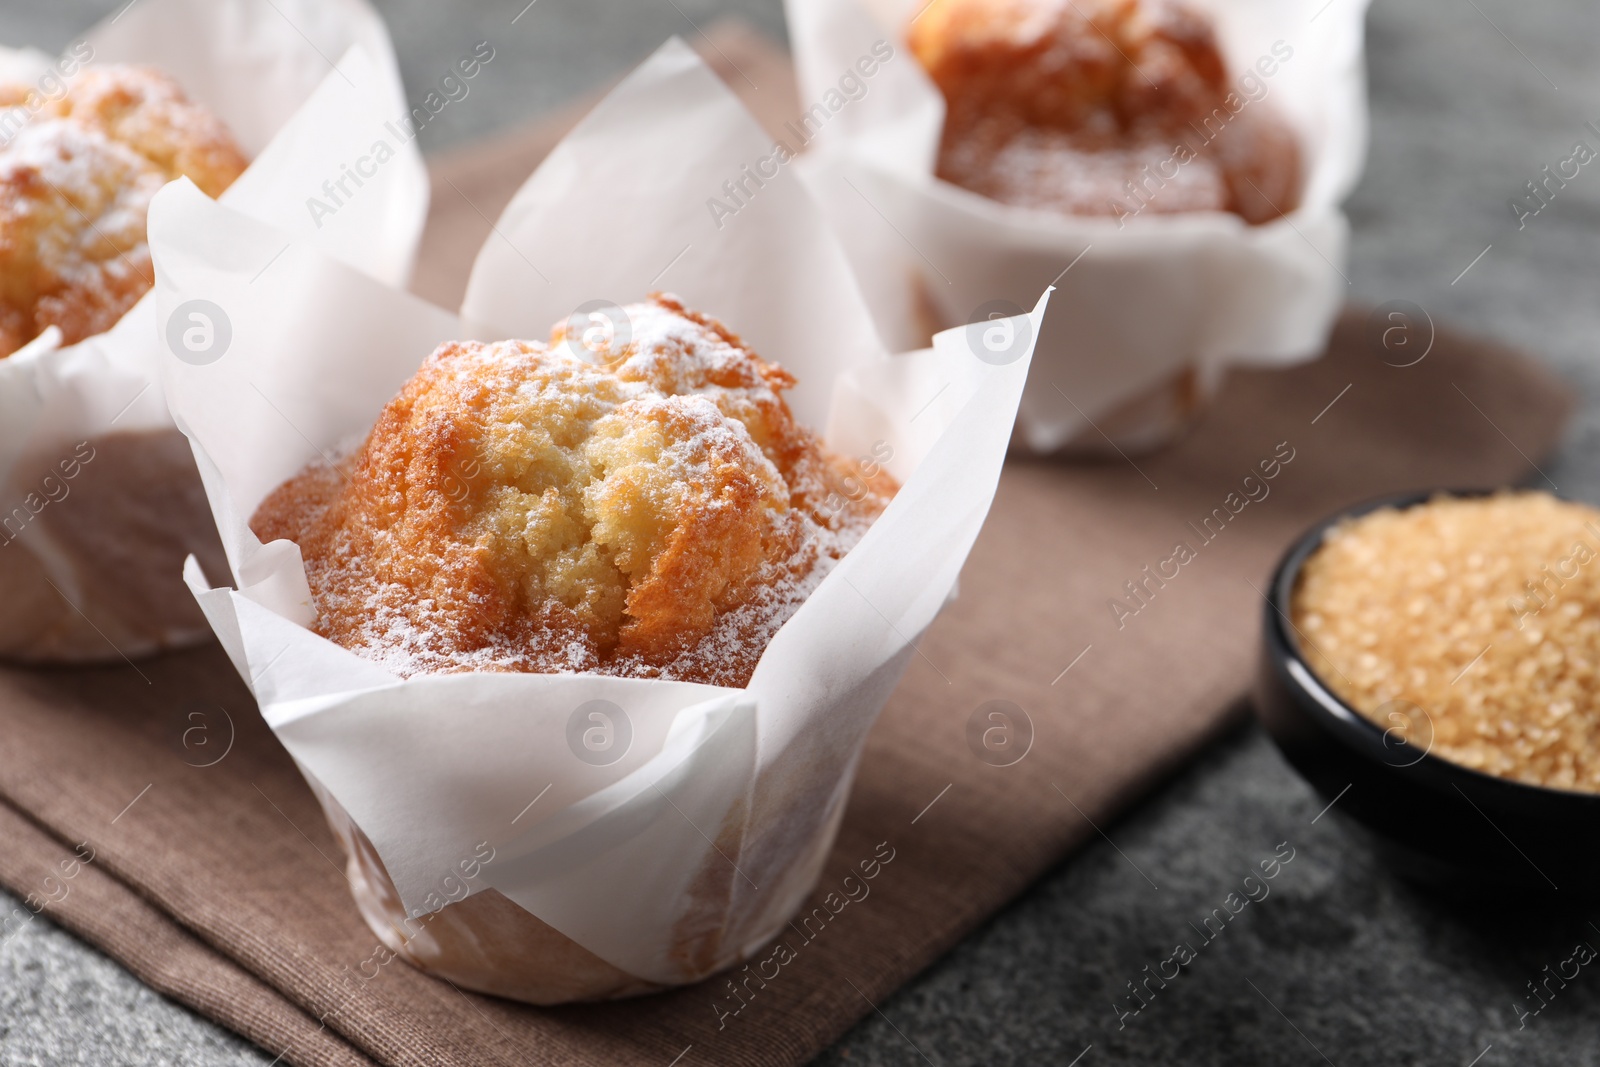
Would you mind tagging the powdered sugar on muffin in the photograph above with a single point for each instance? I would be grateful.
(1100, 107)
(636, 501)
(75, 188)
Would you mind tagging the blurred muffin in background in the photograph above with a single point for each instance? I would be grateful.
(1101, 107)
(76, 179)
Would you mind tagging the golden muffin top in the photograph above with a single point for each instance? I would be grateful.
(641, 502)
(1096, 67)
(76, 179)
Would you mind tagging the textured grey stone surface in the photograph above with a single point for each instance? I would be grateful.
(1469, 102)
(62, 1002)
(1338, 959)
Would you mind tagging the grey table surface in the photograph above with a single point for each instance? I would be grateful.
(1343, 963)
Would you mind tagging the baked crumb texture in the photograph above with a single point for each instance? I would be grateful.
(1071, 105)
(76, 182)
(1484, 612)
(643, 506)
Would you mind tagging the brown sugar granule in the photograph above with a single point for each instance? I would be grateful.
(1484, 612)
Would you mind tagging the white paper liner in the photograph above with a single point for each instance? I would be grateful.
(1163, 301)
(77, 552)
(618, 858)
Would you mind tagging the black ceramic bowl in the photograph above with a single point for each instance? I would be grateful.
(1434, 821)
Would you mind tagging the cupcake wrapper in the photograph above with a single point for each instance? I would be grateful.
(1153, 306)
(677, 832)
(99, 502)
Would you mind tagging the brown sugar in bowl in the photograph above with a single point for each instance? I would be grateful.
(1472, 771)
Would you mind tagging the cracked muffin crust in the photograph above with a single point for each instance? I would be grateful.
(641, 504)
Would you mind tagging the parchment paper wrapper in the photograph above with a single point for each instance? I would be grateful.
(1144, 325)
(99, 501)
(677, 834)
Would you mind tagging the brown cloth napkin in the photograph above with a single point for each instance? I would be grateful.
(147, 808)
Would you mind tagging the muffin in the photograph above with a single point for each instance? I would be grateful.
(640, 503)
(76, 180)
(1100, 107)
